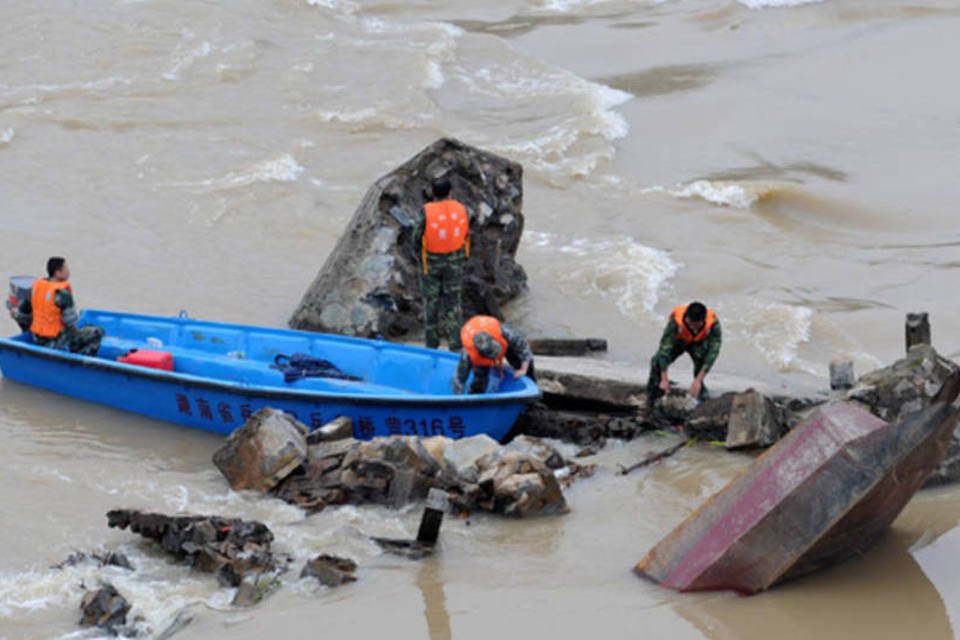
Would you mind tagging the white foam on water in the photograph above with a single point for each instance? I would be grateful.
(282, 167)
(567, 6)
(762, 4)
(726, 194)
(631, 273)
(579, 117)
(779, 330)
(186, 54)
(6, 136)
(342, 7)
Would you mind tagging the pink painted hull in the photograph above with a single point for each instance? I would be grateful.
(824, 493)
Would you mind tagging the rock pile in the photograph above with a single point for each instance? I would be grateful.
(520, 479)
(230, 548)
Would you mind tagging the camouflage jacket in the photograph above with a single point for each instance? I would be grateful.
(671, 346)
(518, 352)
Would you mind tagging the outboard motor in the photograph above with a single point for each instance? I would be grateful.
(19, 291)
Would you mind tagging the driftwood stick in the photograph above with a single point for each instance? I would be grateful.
(654, 457)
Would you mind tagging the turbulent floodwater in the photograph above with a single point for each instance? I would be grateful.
(791, 163)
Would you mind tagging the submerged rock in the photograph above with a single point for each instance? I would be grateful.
(227, 547)
(104, 608)
(111, 558)
(370, 283)
(263, 451)
(331, 571)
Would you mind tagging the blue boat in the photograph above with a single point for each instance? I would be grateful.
(222, 374)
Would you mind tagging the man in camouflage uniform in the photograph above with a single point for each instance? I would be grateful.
(489, 345)
(82, 340)
(441, 276)
(693, 329)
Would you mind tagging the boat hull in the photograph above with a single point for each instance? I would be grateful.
(223, 405)
(823, 494)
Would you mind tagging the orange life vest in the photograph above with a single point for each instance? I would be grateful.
(446, 226)
(483, 324)
(684, 333)
(47, 316)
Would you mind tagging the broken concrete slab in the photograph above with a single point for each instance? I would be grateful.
(263, 451)
(566, 346)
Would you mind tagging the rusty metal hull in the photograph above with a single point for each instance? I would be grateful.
(824, 493)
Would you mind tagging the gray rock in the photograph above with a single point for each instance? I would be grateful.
(369, 284)
(538, 449)
(330, 570)
(523, 486)
(262, 452)
(104, 608)
(752, 421)
(339, 429)
(906, 386)
(463, 455)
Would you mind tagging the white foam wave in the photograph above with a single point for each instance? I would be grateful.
(778, 331)
(761, 4)
(632, 273)
(346, 7)
(579, 117)
(6, 136)
(727, 194)
(184, 56)
(566, 6)
(279, 168)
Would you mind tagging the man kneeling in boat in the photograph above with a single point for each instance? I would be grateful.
(486, 343)
(52, 315)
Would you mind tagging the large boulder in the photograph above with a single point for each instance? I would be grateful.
(264, 451)
(370, 283)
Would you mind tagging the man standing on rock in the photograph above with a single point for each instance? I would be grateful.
(52, 316)
(693, 329)
(443, 244)
(486, 343)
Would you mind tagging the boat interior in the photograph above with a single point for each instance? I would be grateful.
(244, 355)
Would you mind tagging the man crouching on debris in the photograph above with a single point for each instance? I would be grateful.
(486, 342)
(693, 329)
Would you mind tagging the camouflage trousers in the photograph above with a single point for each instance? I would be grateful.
(442, 288)
(698, 353)
(82, 340)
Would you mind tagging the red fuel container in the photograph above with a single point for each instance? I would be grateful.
(148, 358)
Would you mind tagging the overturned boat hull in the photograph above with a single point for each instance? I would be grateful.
(824, 493)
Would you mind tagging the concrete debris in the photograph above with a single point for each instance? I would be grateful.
(263, 451)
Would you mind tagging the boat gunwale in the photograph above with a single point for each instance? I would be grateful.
(306, 395)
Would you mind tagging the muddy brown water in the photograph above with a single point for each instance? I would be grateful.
(793, 164)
